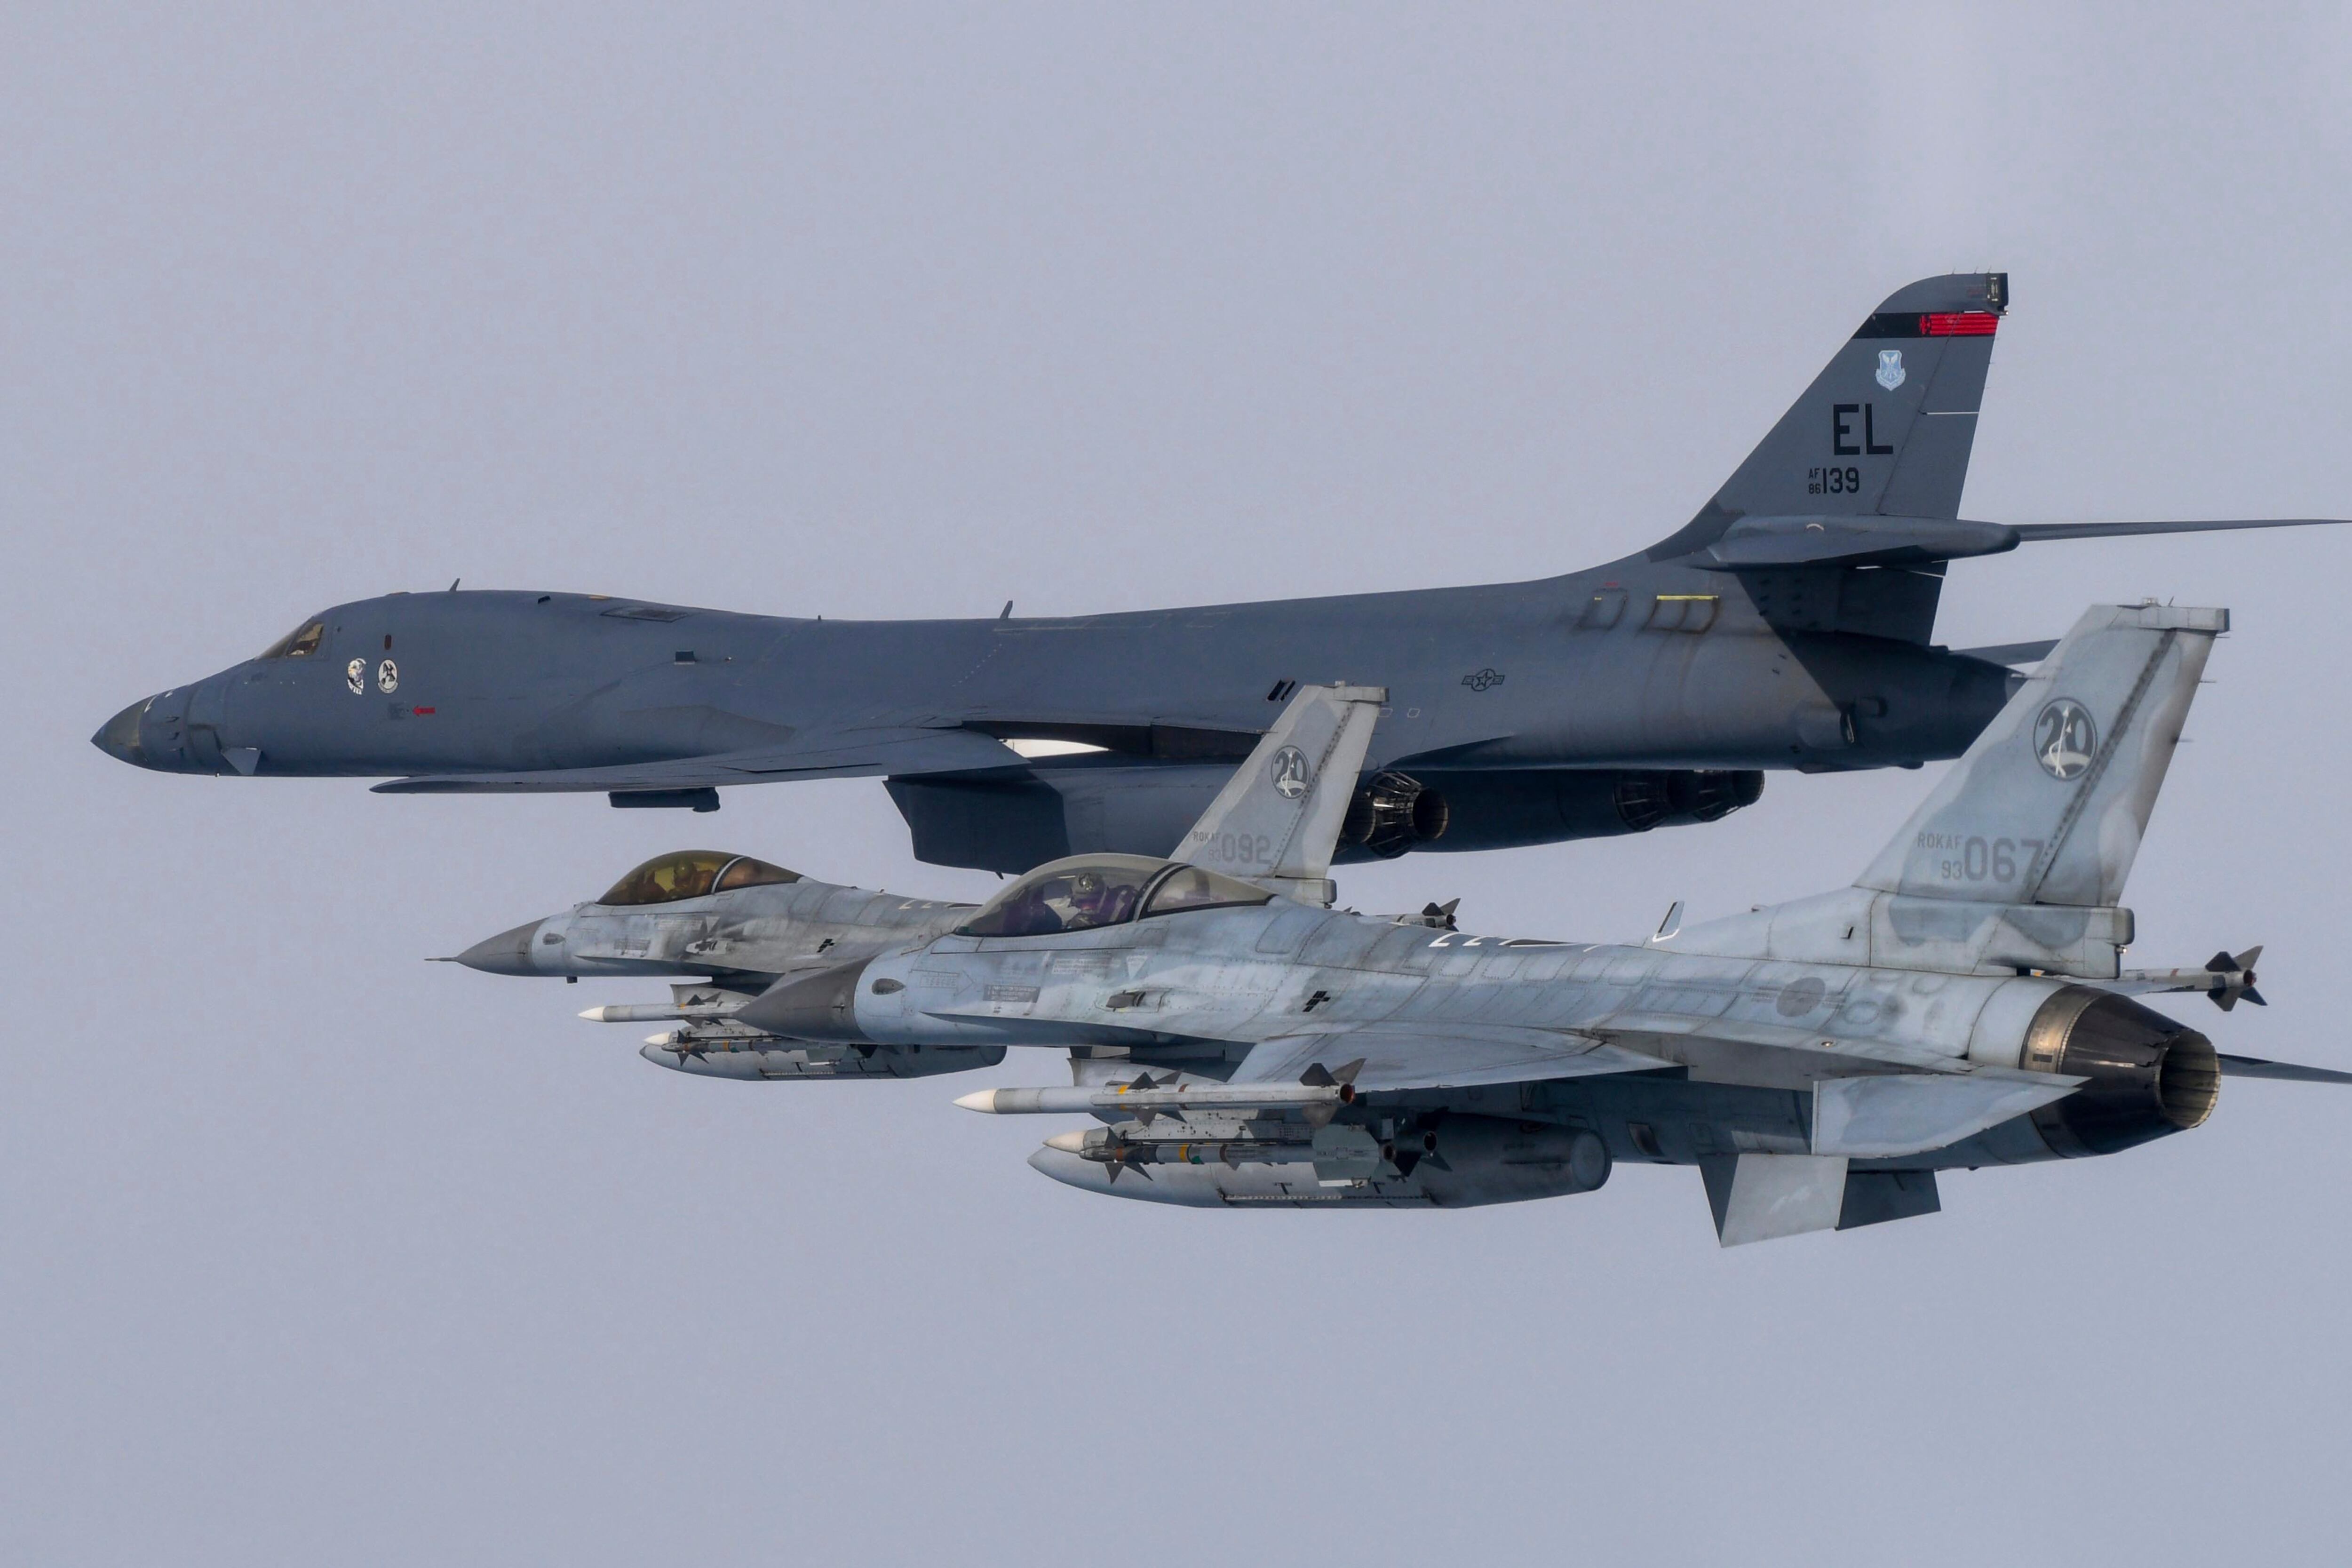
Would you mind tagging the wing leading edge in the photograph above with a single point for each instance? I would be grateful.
(846, 754)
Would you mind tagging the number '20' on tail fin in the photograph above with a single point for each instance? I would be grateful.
(2050, 803)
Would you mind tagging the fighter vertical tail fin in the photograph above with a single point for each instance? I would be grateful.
(2049, 806)
(1885, 428)
(1277, 820)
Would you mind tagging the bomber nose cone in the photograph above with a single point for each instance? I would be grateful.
(820, 1007)
(509, 952)
(118, 736)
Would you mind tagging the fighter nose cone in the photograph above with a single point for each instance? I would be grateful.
(820, 1007)
(118, 736)
(509, 952)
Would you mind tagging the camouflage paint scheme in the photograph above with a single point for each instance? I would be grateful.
(1964, 1003)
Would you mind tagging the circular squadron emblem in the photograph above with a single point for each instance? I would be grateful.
(387, 677)
(2064, 739)
(1290, 773)
(355, 676)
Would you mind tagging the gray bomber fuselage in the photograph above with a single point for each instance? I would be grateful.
(1499, 680)
(1787, 624)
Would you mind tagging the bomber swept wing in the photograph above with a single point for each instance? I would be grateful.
(832, 754)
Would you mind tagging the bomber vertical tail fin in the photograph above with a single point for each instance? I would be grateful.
(1885, 429)
(2049, 806)
(1279, 818)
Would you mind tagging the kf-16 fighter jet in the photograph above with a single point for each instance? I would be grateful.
(1789, 624)
(1239, 1043)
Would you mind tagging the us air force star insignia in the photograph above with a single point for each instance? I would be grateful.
(2064, 739)
(1480, 680)
(355, 676)
(1890, 368)
(387, 677)
(1289, 773)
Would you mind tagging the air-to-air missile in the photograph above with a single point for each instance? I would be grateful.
(1237, 1041)
(1789, 624)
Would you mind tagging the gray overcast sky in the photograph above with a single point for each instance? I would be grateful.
(316, 1254)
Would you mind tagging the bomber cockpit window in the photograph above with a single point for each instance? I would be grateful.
(1068, 895)
(745, 872)
(1191, 887)
(299, 643)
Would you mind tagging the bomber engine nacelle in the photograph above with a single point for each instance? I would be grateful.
(1392, 813)
(1015, 824)
(1496, 809)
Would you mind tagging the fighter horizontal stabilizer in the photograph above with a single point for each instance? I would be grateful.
(836, 754)
(2256, 1066)
(1278, 820)
(2049, 805)
(1884, 1116)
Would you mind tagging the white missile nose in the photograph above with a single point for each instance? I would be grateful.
(1067, 1143)
(980, 1099)
(594, 1014)
(664, 1040)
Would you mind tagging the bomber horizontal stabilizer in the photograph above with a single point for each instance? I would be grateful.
(1877, 540)
(2015, 653)
(840, 753)
(2028, 533)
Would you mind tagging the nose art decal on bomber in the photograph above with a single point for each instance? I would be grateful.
(387, 677)
(1289, 773)
(1890, 368)
(355, 676)
(2064, 739)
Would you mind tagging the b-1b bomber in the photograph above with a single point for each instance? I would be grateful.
(1790, 623)
(1234, 1040)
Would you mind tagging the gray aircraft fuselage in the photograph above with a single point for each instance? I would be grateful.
(1788, 624)
(1494, 691)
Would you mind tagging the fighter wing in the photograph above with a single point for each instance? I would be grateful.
(1392, 1058)
(836, 754)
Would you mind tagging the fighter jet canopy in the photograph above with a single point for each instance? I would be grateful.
(692, 873)
(1090, 891)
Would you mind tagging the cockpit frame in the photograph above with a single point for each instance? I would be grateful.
(683, 874)
(1093, 892)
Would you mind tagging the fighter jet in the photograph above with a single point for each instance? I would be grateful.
(1239, 1043)
(1789, 624)
(739, 925)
